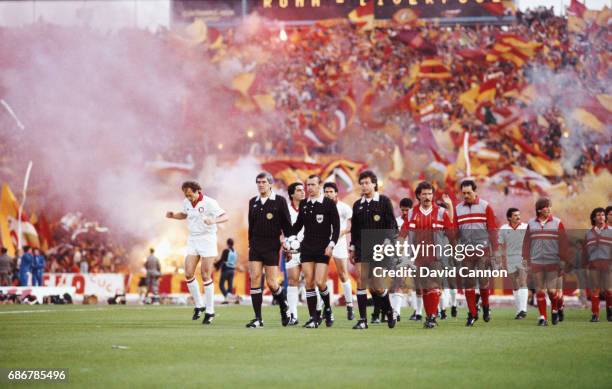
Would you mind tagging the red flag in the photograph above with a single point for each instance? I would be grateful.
(496, 9)
(434, 68)
(472, 54)
(576, 8)
(363, 16)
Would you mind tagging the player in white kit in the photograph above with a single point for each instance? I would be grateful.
(396, 293)
(296, 194)
(340, 252)
(511, 236)
(203, 214)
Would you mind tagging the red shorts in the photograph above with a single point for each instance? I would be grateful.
(549, 267)
(599, 264)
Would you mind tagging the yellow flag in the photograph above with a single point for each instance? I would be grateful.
(243, 82)
(605, 101)
(588, 119)
(544, 166)
(265, 103)
(9, 207)
(468, 99)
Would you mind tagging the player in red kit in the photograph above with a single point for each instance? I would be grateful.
(597, 258)
(545, 247)
(475, 222)
(427, 226)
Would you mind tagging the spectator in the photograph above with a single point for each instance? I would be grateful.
(77, 255)
(107, 261)
(153, 268)
(38, 268)
(6, 264)
(26, 265)
(227, 264)
(84, 266)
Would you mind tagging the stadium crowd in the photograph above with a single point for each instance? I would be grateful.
(396, 98)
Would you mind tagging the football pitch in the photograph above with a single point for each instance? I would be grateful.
(160, 346)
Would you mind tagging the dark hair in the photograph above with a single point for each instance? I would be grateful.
(230, 242)
(595, 212)
(267, 176)
(194, 186)
(405, 202)
(608, 209)
(291, 188)
(3, 250)
(542, 202)
(471, 183)
(423, 185)
(26, 248)
(510, 211)
(151, 250)
(331, 185)
(310, 177)
(369, 174)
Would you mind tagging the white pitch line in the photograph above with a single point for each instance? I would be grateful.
(50, 310)
(80, 310)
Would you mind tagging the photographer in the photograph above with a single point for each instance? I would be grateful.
(6, 264)
(153, 268)
(227, 264)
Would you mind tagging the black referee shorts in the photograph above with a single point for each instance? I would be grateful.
(314, 256)
(267, 256)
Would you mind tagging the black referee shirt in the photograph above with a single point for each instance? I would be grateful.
(321, 223)
(267, 221)
(376, 214)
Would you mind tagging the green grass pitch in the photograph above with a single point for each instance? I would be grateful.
(165, 348)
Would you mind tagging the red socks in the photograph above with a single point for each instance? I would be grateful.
(484, 296)
(554, 301)
(541, 299)
(470, 297)
(595, 303)
(431, 299)
(608, 299)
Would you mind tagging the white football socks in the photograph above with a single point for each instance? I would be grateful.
(194, 289)
(209, 296)
(292, 300)
(348, 292)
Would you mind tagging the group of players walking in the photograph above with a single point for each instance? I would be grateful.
(321, 223)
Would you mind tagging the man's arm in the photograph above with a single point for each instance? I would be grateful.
(176, 215)
(218, 220)
(223, 257)
(250, 218)
(219, 214)
(527, 245)
(564, 246)
(449, 228)
(355, 230)
(390, 216)
(299, 223)
(285, 217)
(492, 228)
(450, 207)
(502, 249)
(335, 222)
(347, 230)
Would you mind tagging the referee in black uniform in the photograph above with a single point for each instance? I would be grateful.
(319, 217)
(372, 211)
(268, 217)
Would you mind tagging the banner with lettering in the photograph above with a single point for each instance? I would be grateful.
(103, 285)
(228, 12)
